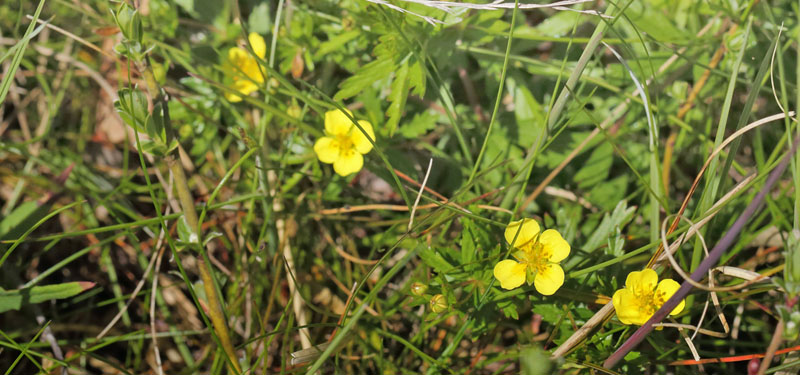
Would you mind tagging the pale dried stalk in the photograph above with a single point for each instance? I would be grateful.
(298, 304)
(453, 8)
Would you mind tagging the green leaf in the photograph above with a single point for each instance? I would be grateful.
(259, 19)
(397, 97)
(22, 218)
(467, 242)
(16, 299)
(335, 43)
(434, 259)
(420, 124)
(622, 215)
(366, 76)
(534, 361)
(132, 107)
(8, 77)
(416, 77)
(595, 169)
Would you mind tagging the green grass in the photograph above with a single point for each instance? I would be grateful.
(217, 242)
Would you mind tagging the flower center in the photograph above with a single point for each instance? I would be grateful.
(345, 143)
(649, 299)
(536, 256)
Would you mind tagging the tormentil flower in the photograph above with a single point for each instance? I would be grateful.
(246, 72)
(643, 295)
(344, 144)
(537, 257)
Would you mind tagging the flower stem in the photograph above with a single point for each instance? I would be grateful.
(217, 315)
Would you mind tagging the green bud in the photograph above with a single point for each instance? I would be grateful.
(438, 304)
(418, 289)
(295, 111)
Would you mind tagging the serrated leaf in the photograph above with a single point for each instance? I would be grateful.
(596, 168)
(397, 97)
(16, 299)
(416, 78)
(365, 77)
(335, 43)
(420, 124)
(434, 259)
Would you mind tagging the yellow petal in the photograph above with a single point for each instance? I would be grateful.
(245, 87)
(337, 123)
(628, 309)
(327, 150)
(258, 44)
(233, 98)
(510, 273)
(253, 71)
(666, 288)
(236, 57)
(646, 279)
(349, 162)
(361, 143)
(548, 280)
(554, 245)
(523, 230)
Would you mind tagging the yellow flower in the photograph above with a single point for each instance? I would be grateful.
(247, 72)
(344, 144)
(537, 257)
(642, 296)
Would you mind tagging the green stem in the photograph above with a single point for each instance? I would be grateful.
(184, 195)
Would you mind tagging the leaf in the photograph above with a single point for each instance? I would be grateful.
(530, 117)
(609, 193)
(420, 124)
(259, 19)
(534, 361)
(622, 215)
(397, 97)
(416, 78)
(8, 78)
(132, 107)
(467, 242)
(16, 299)
(434, 259)
(19, 220)
(365, 77)
(596, 168)
(335, 43)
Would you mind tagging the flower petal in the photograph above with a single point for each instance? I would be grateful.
(646, 279)
(527, 228)
(361, 143)
(258, 44)
(666, 288)
(627, 308)
(337, 123)
(554, 245)
(349, 162)
(327, 150)
(510, 273)
(549, 279)
(236, 57)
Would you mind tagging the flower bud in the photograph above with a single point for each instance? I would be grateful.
(438, 303)
(418, 289)
(294, 111)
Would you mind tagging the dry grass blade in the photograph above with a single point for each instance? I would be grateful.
(708, 262)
